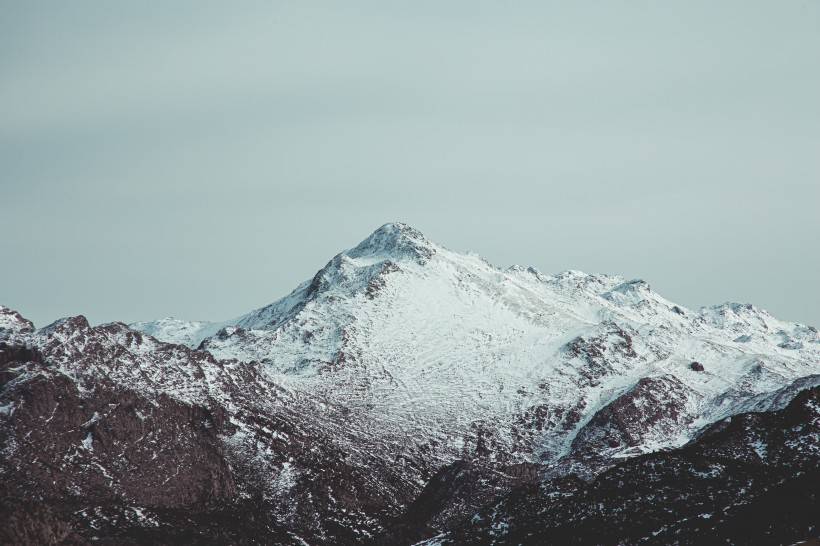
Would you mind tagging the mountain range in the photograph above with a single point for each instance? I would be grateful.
(408, 393)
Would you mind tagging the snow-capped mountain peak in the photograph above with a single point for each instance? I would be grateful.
(394, 241)
(401, 326)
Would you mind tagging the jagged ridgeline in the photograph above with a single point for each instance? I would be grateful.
(411, 393)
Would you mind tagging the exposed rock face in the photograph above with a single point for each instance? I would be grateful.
(126, 430)
(601, 352)
(654, 411)
(399, 392)
(106, 461)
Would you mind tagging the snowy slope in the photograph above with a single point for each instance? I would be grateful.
(434, 349)
(181, 332)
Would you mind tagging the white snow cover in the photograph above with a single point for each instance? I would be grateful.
(178, 331)
(422, 344)
(12, 322)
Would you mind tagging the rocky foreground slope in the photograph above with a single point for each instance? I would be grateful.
(407, 392)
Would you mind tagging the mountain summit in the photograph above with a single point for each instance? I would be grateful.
(394, 241)
(397, 392)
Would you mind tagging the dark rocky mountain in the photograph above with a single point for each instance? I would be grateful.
(750, 479)
(409, 393)
(104, 455)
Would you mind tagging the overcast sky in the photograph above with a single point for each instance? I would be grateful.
(199, 160)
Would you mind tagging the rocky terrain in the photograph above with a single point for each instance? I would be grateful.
(410, 393)
(748, 479)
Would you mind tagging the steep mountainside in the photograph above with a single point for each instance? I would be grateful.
(421, 343)
(392, 397)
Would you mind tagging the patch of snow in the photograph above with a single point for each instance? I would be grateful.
(7, 409)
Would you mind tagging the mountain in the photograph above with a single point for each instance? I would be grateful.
(394, 396)
(407, 334)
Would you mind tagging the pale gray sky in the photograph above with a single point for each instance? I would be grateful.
(200, 159)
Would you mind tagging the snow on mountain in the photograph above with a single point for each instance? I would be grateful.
(402, 388)
(188, 333)
(426, 346)
(12, 321)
